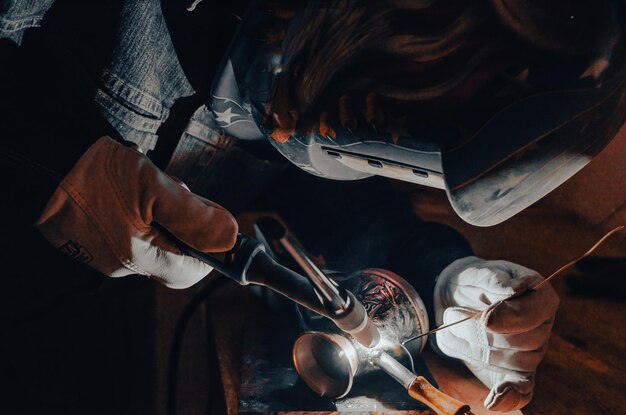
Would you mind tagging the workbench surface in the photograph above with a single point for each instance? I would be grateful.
(258, 365)
(583, 371)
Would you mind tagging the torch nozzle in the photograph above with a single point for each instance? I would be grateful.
(344, 309)
(356, 322)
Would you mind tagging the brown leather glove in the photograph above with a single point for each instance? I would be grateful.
(112, 207)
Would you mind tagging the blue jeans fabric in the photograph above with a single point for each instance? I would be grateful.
(138, 77)
(128, 92)
(17, 16)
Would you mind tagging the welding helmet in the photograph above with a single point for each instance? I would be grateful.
(498, 102)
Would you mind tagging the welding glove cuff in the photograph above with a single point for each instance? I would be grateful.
(119, 213)
(504, 345)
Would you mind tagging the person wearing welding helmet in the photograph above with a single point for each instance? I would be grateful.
(496, 102)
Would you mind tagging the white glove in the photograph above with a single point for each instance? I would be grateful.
(503, 346)
(105, 210)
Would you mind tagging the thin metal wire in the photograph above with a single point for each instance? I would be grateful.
(586, 254)
(410, 357)
(534, 288)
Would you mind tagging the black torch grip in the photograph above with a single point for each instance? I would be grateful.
(247, 263)
(233, 263)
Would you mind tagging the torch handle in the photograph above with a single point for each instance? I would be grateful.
(421, 390)
(418, 387)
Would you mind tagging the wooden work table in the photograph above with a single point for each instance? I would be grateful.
(583, 371)
(231, 344)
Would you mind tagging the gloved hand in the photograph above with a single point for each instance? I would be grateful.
(112, 207)
(503, 346)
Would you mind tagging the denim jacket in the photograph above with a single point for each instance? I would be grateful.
(134, 60)
(142, 79)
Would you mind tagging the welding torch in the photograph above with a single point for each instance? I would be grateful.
(248, 263)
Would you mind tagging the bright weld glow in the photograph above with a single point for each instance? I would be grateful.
(377, 345)
(386, 344)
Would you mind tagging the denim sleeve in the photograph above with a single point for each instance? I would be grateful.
(16, 16)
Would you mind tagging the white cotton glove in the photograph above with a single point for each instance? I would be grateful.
(503, 346)
(112, 207)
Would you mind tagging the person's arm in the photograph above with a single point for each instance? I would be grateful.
(94, 198)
